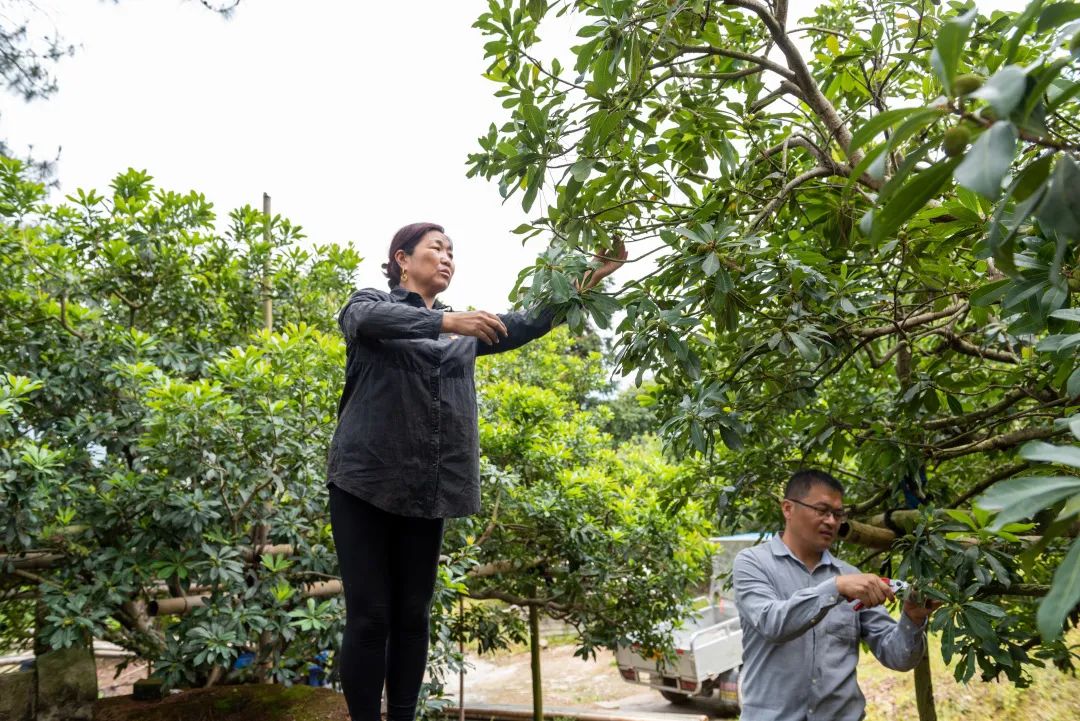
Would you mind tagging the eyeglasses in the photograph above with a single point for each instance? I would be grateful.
(839, 514)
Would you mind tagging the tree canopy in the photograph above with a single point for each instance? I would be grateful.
(857, 236)
(163, 444)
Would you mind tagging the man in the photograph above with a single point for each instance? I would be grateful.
(800, 632)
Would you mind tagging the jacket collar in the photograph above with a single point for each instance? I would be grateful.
(401, 295)
(779, 548)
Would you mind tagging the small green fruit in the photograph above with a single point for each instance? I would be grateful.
(967, 84)
(956, 140)
(1074, 283)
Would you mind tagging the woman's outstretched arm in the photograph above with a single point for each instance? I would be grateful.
(370, 313)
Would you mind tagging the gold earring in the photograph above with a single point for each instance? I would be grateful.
(404, 275)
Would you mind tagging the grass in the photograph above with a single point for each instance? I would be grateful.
(1052, 696)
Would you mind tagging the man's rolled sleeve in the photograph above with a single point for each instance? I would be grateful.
(898, 645)
(778, 620)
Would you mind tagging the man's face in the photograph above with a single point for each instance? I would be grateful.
(809, 528)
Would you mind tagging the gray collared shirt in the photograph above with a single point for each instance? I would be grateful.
(801, 638)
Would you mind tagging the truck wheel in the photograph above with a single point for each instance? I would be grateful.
(675, 697)
(733, 709)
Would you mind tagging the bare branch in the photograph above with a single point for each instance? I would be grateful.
(910, 322)
(799, 73)
(786, 88)
(724, 52)
(63, 318)
(818, 172)
(497, 595)
(796, 140)
(998, 443)
(960, 345)
(734, 75)
(1017, 589)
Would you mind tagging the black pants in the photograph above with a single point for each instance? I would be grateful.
(388, 567)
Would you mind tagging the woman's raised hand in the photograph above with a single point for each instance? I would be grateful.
(488, 327)
(609, 264)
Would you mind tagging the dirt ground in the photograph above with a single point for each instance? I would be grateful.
(570, 682)
(110, 684)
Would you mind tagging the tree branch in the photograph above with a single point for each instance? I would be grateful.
(1016, 589)
(63, 318)
(734, 75)
(997, 443)
(786, 88)
(818, 172)
(911, 322)
(492, 523)
(798, 140)
(1006, 402)
(960, 345)
(496, 568)
(493, 594)
(1001, 475)
(764, 63)
(799, 73)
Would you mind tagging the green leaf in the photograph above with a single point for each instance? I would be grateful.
(874, 161)
(870, 129)
(731, 438)
(1063, 597)
(977, 623)
(581, 168)
(1004, 90)
(1022, 24)
(1072, 386)
(1060, 209)
(988, 608)
(603, 77)
(1067, 314)
(1048, 453)
(1031, 178)
(910, 199)
(950, 44)
(710, 265)
(990, 293)
(1018, 498)
(560, 287)
(961, 517)
(1056, 15)
(988, 160)
(536, 9)
(806, 350)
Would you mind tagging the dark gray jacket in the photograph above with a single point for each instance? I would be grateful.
(407, 439)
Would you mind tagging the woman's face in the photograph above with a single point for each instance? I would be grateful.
(430, 268)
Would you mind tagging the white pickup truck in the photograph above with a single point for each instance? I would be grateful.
(708, 644)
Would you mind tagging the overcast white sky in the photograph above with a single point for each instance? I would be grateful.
(355, 117)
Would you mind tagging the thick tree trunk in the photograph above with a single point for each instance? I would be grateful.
(534, 648)
(924, 685)
(924, 690)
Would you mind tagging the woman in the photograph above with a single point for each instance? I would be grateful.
(405, 456)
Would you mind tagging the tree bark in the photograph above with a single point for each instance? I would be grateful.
(534, 652)
(924, 690)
